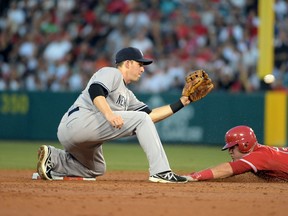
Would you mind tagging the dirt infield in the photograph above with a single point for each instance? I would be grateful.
(129, 193)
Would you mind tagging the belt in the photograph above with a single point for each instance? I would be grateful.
(73, 110)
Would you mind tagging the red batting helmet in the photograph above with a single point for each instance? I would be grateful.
(242, 136)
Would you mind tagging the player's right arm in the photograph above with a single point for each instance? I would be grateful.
(223, 170)
(220, 171)
(98, 96)
(102, 105)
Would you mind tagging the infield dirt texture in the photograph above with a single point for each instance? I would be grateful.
(129, 193)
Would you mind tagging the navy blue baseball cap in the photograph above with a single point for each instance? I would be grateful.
(131, 53)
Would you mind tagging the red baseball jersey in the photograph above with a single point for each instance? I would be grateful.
(264, 161)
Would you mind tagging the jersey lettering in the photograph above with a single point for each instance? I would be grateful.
(121, 101)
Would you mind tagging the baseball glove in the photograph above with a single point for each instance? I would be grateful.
(197, 85)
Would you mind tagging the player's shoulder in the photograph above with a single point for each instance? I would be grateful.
(262, 150)
(107, 76)
(108, 70)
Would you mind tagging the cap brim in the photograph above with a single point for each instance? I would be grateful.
(229, 145)
(145, 61)
(224, 148)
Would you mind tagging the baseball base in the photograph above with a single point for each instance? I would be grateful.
(35, 176)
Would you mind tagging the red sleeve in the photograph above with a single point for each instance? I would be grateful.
(240, 167)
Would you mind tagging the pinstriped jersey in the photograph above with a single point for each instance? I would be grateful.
(119, 98)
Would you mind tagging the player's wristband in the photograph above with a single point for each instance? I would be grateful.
(203, 175)
(175, 107)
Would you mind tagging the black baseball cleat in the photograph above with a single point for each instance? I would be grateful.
(44, 165)
(167, 177)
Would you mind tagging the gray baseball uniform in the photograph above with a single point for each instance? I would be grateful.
(83, 129)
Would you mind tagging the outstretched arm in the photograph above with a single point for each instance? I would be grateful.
(164, 112)
(223, 170)
(220, 171)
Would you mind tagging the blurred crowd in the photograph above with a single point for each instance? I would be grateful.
(56, 45)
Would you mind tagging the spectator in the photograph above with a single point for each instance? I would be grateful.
(117, 38)
(142, 41)
(58, 48)
(214, 35)
(137, 18)
(16, 16)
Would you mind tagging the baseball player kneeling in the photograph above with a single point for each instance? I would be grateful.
(107, 110)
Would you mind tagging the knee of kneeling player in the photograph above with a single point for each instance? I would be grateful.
(99, 171)
(102, 169)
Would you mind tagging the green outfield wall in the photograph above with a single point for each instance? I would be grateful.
(35, 116)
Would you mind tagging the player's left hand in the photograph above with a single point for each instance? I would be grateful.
(197, 85)
(185, 100)
(190, 178)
